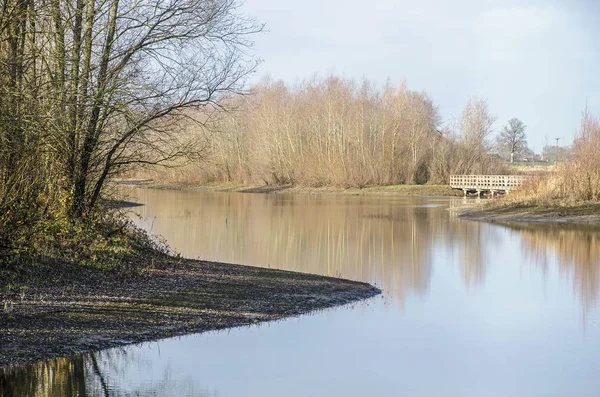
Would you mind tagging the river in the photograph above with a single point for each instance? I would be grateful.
(468, 309)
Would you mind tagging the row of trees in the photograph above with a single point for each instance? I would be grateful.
(335, 131)
(91, 87)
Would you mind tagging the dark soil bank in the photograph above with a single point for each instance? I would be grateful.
(178, 297)
(585, 213)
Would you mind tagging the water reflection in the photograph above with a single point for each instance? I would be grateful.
(100, 374)
(386, 241)
(61, 377)
(382, 240)
(483, 309)
(576, 250)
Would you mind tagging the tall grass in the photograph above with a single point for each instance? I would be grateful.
(574, 181)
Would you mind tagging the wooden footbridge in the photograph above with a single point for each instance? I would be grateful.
(492, 184)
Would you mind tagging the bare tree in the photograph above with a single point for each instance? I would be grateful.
(108, 82)
(25, 166)
(475, 126)
(329, 131)
(512, 139)
(335, 131)
(144, 64)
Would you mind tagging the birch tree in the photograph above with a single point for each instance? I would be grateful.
(476, 126)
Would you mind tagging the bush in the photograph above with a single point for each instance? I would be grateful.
(105, 241)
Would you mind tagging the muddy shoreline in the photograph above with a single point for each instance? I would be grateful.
(584, 214)
(176, 297)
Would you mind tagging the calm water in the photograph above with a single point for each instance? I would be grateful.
(469, 309)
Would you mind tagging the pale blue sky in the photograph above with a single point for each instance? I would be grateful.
(535, 60)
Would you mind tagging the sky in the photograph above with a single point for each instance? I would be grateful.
(538, 61)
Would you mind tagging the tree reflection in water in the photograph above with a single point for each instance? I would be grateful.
(87, 375)
(381, 240)
(574, 248)
(60, 377)
(394, 243)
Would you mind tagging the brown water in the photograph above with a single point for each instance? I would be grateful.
(469, 309)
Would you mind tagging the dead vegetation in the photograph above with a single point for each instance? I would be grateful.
(338, 132)
(570, 192)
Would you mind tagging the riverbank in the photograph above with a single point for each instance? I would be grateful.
(78, 309)
(550, 212)
(391, 190)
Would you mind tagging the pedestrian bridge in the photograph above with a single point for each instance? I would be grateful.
(487, 183)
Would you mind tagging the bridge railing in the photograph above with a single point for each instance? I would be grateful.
(487, 182)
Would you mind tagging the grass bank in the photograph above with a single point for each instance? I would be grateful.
(392, 190)
(71, 309)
